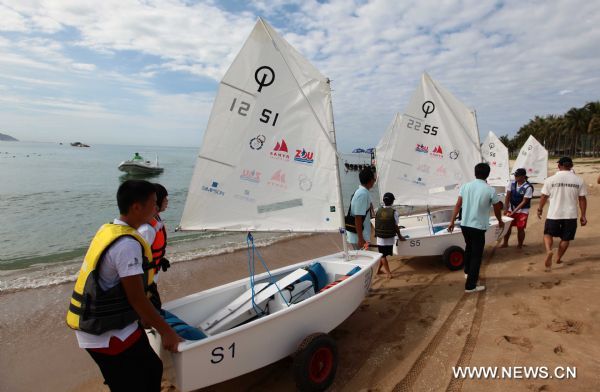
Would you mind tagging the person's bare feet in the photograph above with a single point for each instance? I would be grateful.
(389, 276)
(548, 261)
(504, 246)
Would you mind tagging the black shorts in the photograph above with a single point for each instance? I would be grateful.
(386, 250)
(563, 228)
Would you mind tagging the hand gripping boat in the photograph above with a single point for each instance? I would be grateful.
(268, 162)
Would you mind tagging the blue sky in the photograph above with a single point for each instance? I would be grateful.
(146, 72)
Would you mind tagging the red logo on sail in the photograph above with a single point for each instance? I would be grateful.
(280, 151)
(437, 152)
(278, 179)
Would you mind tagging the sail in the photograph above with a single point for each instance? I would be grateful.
(495, 153)
(267, 161)
(383, 148)
(433, 148)
(533, 157)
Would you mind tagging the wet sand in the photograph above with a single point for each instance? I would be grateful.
(406, 336)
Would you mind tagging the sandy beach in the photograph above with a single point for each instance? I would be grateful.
(406, 336)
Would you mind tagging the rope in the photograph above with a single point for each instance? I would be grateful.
(250, 243)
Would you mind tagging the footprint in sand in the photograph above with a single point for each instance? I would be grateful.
(566, 326)
(558, 350)
(538, 388)
(525, 314)
(545, 284)
(386, 314)
(427, 321)
(524, 344)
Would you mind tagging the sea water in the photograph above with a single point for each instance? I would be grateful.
(53, 198)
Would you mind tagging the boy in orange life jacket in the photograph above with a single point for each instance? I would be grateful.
(386, 231)
(155, 233)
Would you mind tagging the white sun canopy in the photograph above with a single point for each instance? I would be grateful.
(433, 148)
(495, 153)
(267, 161)
(533, 157)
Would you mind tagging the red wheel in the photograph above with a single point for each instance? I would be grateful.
(315, 363)
(454, 258)
(321, 364)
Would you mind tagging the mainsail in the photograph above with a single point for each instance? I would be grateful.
(382, 150)
(495, 153)
(268, 158)
(533, 157)
(433, 148)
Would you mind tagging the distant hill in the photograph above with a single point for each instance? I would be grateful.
(7, 138)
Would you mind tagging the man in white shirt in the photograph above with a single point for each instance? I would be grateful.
(566, 191)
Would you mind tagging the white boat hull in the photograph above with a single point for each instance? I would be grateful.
(268, 339)
(134, 167)
(420, 241)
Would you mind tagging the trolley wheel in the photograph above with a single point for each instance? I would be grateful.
(454, 258)
(315, 363)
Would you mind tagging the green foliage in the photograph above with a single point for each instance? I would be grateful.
(575, 133)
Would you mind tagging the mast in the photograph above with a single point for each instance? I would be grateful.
(337, 172)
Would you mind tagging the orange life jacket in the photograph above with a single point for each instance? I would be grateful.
(159, 245)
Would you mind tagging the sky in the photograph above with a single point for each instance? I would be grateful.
(146, 72)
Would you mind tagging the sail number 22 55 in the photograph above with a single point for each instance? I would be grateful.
(418, 126)
(220, 353)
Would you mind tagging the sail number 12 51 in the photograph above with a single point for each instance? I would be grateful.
(242, 107)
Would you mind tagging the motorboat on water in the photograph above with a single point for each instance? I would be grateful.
(139, 165)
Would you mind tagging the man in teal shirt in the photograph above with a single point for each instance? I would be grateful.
(360, 208)
(475, 198)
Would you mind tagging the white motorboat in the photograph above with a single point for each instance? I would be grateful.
(269, 162)
(139, 165)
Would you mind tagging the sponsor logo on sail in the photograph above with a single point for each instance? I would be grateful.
(491, 145)
(454, 154)
(213, 188)
(437, 152)
(304, 183)
(280, 151)
(422, 148)
(278, 180)
(424, 168)
(245, 197)
(257, 142)
(250, 176)
(304, 156)
(419, 181)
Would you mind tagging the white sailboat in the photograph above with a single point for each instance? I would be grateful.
(495, 153)
(432, 150)
(533, 157)
(268, 162)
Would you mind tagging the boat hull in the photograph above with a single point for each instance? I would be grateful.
(139, 168)
(268, 339)
(421, 243)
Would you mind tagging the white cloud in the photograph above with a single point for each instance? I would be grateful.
(507, 59)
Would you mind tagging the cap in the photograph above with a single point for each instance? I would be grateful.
(520, 172)
(389, 196)
(565, 160)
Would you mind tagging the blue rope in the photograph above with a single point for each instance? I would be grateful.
(250, 243)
